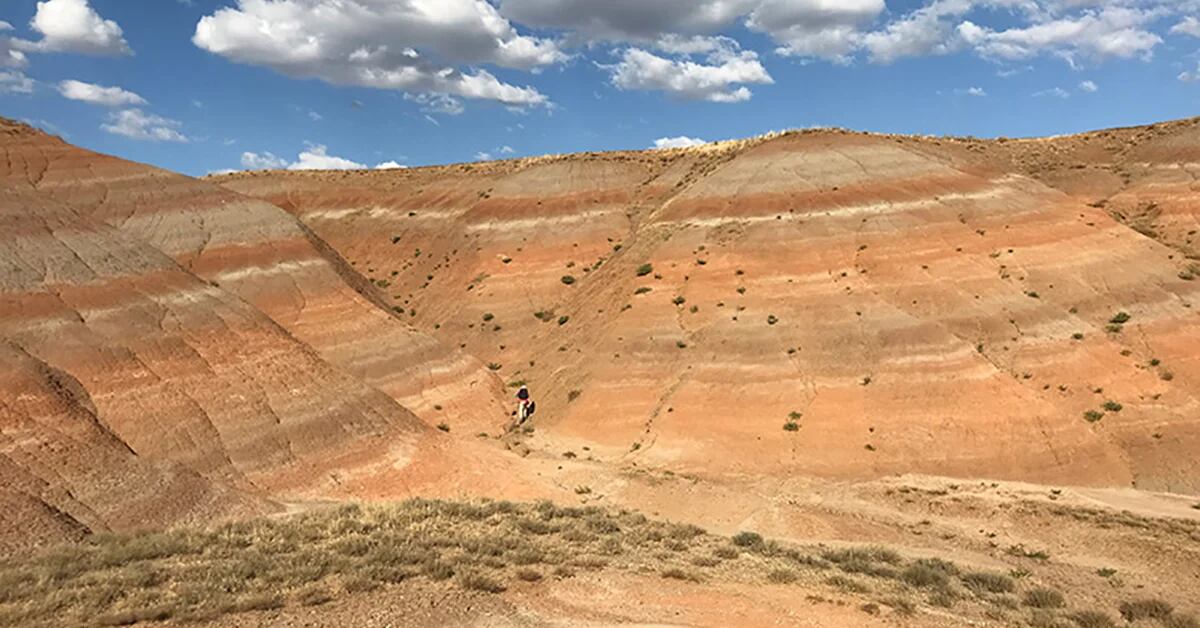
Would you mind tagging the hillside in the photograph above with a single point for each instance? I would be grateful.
(881, 353)
(926, 305)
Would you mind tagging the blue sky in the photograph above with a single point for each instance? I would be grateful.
(199, 86)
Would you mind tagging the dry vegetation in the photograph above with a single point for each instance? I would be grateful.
(312, 559)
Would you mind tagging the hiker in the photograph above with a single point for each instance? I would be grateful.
(525, 405)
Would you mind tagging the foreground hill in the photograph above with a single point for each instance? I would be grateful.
(1018, 309)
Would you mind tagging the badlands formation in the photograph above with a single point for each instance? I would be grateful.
(986, 351)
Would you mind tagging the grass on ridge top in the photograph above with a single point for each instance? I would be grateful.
(317, 557)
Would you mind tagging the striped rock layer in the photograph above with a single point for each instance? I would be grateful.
(1017, 309)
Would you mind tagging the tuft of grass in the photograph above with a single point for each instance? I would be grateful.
(782, 576)
(1120, 318)
(475, 581)
(791, 426)
(924, 576)
(980, 581)
(529, 575)
(1145, 609)
(494, 366)
(1112, 406)
(1106, 572)
(849, 585)
(314, 595)
(675, 573)
(1044, 598)
(1092, 416)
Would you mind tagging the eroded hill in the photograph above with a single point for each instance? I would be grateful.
(1020, 309)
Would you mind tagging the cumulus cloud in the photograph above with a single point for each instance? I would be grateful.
(98, 94)
(721, 78)
(1089, 86)
(815, 28)
(976, 91)
(628, 20)
(390, 165)
(74, 26)
(14, 82)
(10, 57)
(317, 157)
(1190, 77)
(414, 46)
(262, 161)
(139, 125)
(1111, 32)
(1056, 92)
(682, 141)
(1189, 26)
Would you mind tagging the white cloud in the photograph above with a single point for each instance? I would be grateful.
(1189, 26)
(721, 79)
(506, 150)
(390, 165)
(815, 28)
(483, 156)
(1056, 92)
(976, 91)
(14, 82)
(640, 21)
(73, 26)
(10, 57)
(262, 161)
(1089, 86)
(682, 141)
(437, 103)
(414, 46)
(98, 94)
(314, 116)
(138, 125)
(1111, 32)
(1190, 77)
(316, 157)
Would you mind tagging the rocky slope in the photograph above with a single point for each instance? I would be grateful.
(1017, 309)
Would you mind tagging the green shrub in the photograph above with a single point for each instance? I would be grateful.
(748, 539)
(1112, 406)
(568, 279)
(643, 290)
(444, 427)
(1091, 416)
(562, 320)
(1120, 318)
(791, 426)
(678, 300)
(645, 269)
(924, 576)
(488, 316)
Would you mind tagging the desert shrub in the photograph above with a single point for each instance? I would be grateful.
(849, 585)
(748, 539)
(1112, 406)
(924, 576)
(791, 426)
(568, 279)
(562, 320)
(979, 581)
(645, 269)
(1181, 621)
(1091, 416)
(675, 573)
(679, 300)
(443, 426)
(726, 553)
(1145, 609)
(706, 561)
(642, 290)
(902, 606)
(475, 581)
(782, 576)
(1120, 318)
(1044, 598)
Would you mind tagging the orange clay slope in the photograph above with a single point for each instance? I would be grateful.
(1011, 309)
(172, 352)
